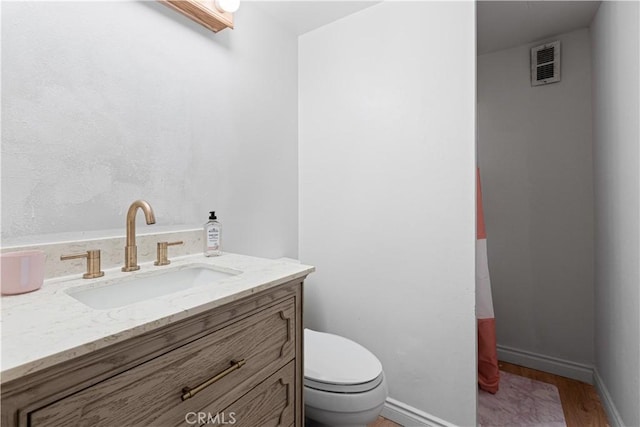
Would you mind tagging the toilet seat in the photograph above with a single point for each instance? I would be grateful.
(343, 388)
(339, 365)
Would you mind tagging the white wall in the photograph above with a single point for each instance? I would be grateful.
(107, 102)
(615, 39)
(387, 194)
(535, 159)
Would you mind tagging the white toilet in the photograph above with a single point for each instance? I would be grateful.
(343, 382)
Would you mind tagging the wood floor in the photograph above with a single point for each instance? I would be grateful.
(580, 401)
(383, 422)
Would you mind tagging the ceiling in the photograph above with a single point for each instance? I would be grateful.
(302, 16)
(500, 24)
(505, 24)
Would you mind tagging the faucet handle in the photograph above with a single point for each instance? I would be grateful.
(163, 251)
(93, 263)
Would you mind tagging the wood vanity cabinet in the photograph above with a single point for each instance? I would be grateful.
(141, 381)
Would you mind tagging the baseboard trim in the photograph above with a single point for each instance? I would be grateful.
(612, 413)
(541, 362)
(406, 415)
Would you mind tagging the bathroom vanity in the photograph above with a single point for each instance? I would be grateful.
(225, 353)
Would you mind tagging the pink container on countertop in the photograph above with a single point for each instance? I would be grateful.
(21, 272)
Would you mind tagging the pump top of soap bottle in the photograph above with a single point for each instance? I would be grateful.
(212, 215)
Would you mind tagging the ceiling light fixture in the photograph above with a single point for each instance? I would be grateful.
(227, 5)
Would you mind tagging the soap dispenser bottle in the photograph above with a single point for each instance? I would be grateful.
(212, 234)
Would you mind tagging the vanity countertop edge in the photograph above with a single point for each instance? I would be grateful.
(47, 327)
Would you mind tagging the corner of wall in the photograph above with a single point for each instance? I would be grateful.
(614, 418)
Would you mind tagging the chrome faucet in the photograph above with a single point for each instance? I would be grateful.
(131, 250)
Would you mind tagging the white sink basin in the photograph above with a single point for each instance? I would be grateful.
(134, 289)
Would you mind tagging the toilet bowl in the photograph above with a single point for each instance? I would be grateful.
(344, 384)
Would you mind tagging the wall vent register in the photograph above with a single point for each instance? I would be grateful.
(545, 64)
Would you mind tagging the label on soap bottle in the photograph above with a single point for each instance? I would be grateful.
(213, 237)
(212, 245)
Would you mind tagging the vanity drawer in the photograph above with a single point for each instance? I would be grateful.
(151, 393)
(271, 404)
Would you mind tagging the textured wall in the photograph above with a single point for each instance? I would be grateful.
(107, 102)
(534, 153)
(387, 212)
(615, 36)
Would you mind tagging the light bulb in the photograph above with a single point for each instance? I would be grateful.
(227, 5)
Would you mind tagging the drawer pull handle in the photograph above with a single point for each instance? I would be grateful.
(189, 392)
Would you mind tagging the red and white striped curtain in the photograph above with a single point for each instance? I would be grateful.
(488, 372)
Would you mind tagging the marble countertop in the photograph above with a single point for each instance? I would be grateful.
(48, 326)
